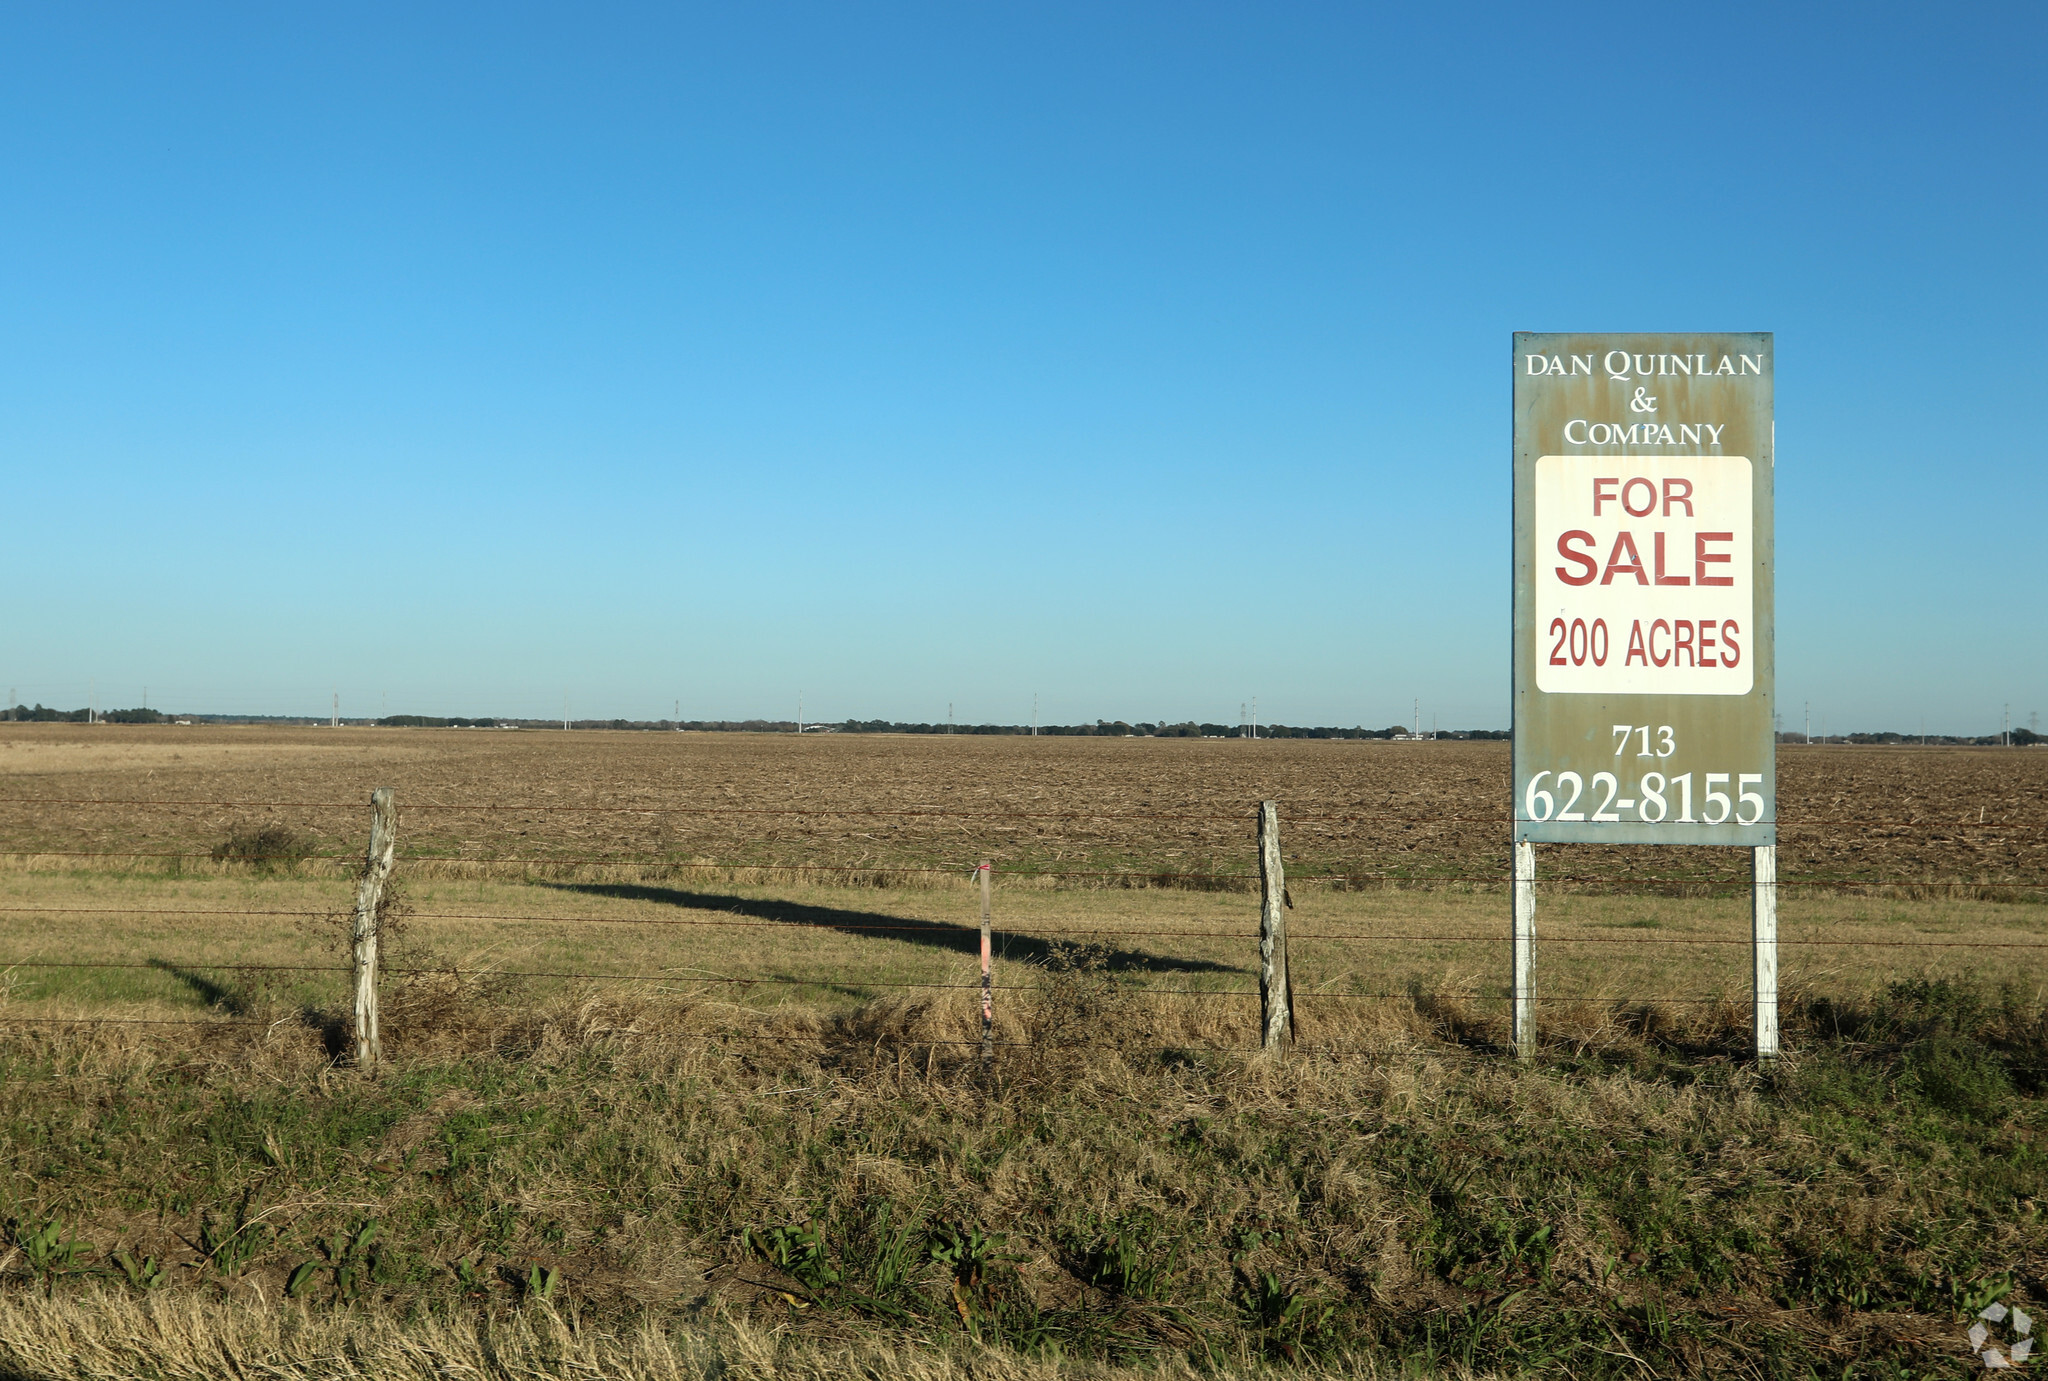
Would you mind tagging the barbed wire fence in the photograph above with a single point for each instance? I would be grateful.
(1266, 942)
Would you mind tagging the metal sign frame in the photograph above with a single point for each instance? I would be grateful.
(1643, 476)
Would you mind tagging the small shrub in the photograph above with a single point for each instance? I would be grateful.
(263, 848)
(799, 1250)
(1932, 1006)
(992, 1301)
(1081, 1007)
(1958, 1075)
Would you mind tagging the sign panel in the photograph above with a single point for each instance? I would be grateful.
(1644, 697)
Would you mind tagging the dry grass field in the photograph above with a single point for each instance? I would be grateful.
(684, 1081)
(1364, 962)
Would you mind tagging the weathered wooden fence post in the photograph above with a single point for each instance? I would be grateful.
(369, 899)
(1522, 960)
(1276, 1007)
(988, 992)
(1763, 931)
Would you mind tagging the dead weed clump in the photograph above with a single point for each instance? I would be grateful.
(1082, 1010)
(264, 848)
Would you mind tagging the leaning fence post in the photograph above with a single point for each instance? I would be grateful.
(369, 897)
(988, 992)
(1763, 931)
(1522, 960)
(1276, 1009)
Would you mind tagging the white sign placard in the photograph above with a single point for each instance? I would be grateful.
(1643, 579)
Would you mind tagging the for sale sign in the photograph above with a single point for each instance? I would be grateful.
(1651, 590)
(1643, 651)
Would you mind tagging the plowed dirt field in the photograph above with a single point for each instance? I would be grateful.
(1160, 809)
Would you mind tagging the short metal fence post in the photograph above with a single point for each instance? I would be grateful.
(988, 992)
(1522, 963)
(1763, 930)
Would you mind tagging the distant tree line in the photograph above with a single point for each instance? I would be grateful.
(2021, 738)
(1101, 728)
(43, 714)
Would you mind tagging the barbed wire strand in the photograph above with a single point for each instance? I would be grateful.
(955, 930)
(1163, 876)
(854, 982)
(1300, 1047)
(1363, 817)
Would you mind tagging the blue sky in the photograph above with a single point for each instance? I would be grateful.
(1145, 358)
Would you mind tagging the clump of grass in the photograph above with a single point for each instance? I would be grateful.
(47, 1249)
(263, 848)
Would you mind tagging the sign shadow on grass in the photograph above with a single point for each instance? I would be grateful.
(215, 994)
(877, 925)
